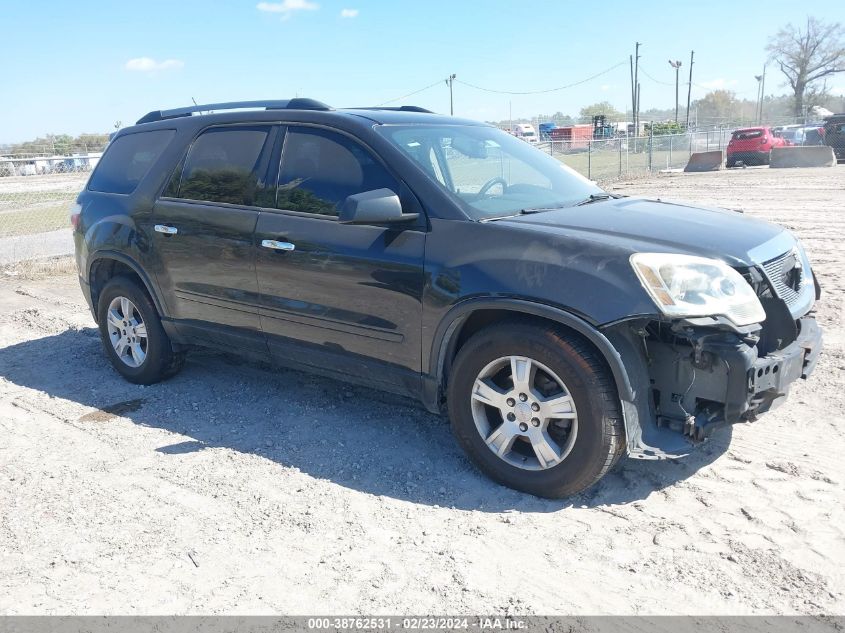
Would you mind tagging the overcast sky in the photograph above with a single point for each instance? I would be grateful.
(72, 67)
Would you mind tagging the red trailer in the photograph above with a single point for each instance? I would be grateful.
(575, 136)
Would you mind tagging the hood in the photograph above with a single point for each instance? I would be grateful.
(642, 225)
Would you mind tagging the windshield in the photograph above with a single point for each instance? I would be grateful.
(489, 172)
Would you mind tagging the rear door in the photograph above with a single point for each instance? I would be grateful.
(204, 226)
(339, 297)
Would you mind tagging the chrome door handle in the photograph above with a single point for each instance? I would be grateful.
(167, 230)
(277, 246)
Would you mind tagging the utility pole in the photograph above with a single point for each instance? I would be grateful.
(689, 88)
(633, 88)
(449, 81)
(758, 116)
(637, 126)
(637, 87)
(677, 66)
(762, 93)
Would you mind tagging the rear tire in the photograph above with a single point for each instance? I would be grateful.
(730, 163)
(132, 335)
(558, 356)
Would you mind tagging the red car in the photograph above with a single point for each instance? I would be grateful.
(752, 146)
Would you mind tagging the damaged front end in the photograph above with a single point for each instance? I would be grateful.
(693, 375)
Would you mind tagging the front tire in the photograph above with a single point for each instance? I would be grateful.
(132, 335)
(536, 409)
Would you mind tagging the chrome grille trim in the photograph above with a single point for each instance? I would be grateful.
(798, 301)
(774, 273)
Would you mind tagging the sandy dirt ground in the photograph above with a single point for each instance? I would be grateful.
(235, 488)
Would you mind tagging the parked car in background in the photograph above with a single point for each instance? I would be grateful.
(834, 135)
(525, 131)
(752, 146)
(804, 135)
(784, 131)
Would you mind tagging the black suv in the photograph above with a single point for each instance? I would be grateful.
(834, 135)
(443, 259)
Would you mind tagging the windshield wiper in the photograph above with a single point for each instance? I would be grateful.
(530, 210)
(596, 197)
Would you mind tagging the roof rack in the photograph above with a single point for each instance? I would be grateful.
(298, 103)
(405, 108)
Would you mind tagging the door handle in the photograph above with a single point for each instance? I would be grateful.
(277, 246)
(167, 230)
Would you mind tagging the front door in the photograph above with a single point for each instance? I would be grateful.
(204, 225)
(339, 297)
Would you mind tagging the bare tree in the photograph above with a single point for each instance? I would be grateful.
(807, 55)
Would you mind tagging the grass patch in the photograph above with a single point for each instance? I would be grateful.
(34, 220)
(38, 269)
(605, 165)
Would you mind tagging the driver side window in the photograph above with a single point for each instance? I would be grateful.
(320, 169)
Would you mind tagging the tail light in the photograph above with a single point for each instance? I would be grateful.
(75, 210)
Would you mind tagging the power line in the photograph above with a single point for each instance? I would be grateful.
(657, 81)
(537, 92)
(411, 94)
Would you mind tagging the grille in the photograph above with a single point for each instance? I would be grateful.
(786, 276)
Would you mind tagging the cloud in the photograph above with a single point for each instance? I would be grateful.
(149, 65)
(286, 8)
(349, 13)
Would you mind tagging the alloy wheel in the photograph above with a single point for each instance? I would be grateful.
(127, 332)
(524, 413)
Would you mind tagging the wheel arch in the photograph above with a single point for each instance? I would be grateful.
(467, 317)
(104, 265)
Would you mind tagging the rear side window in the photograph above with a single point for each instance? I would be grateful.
(127, 160)
(223, 166)
(320, 169)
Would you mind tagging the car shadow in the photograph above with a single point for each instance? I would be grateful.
(364, 440)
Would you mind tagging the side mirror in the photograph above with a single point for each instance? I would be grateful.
(379, 206)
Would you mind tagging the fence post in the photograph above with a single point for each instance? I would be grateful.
(670, 151)
(590, 160)
(620, 158)
(720, 137)
(650, 145)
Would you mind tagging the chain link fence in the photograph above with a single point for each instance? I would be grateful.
(606, 160)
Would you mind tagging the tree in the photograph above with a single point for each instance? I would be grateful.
(807, 55)
(722, 107)
(603, 107)
(559, 118)
(61, 143)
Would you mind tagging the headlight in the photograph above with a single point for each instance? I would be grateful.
(687, 286)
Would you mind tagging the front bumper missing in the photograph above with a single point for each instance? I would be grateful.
(772, 375)
(728, 382)
(685, 391)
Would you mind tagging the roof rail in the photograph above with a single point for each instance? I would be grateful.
(405, 108)
(298, 103)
